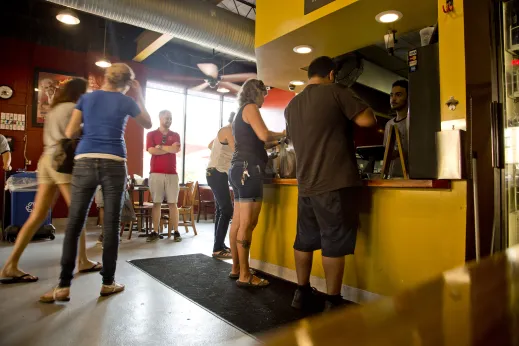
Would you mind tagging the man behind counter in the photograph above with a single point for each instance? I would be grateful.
(320, 124)
(398, 99)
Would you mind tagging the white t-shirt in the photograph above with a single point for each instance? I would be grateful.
(56, 122)
(395, 168)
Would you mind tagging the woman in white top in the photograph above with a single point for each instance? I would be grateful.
(49, 182)
(222, 148)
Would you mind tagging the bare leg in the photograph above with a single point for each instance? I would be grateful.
(303, 266)
(233, 236)
(155, 216)
(83, 261)
(173, 218)
(45, 197)
(249, 212)
(333, 271)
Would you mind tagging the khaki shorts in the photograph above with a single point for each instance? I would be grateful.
(164, 187)
(48, 176)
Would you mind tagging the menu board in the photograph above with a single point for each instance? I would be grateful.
(312, 5)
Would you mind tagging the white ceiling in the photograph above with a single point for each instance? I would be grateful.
(240, 8)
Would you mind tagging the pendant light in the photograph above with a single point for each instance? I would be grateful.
(104, 62)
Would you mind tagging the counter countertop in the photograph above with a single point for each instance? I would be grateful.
(396, 183)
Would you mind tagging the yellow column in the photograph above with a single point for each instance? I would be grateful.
(452, 60)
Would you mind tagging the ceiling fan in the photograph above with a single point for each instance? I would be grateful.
(222, 83)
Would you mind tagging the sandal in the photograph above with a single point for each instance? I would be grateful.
(108, 290)
(56, 295)
(237, 276)
(250, 284)
(25, 278)
(224, 254)
(95, 268)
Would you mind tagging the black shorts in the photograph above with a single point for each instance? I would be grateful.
(252, 188)
(328, 221)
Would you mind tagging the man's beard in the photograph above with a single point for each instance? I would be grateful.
(400, 108)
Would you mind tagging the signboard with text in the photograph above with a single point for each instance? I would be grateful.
(312, 5)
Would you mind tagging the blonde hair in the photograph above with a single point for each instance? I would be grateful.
(119, 75)
(251, 92)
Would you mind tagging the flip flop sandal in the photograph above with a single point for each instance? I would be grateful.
(237, 276)
(54, 298)
(25, 278)
(224, 254)
(249, 284)
(95, 268)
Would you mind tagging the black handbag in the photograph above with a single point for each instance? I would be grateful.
(63, 161)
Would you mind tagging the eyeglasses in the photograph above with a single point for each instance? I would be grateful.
(164, 139)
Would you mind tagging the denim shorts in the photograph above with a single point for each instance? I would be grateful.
(249, 190)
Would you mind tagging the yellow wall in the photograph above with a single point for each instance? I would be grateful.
(275, 18)
(452, 60)
(406, 237)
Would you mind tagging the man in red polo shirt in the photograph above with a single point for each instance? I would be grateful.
(163, 145)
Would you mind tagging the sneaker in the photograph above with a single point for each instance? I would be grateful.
(332, 304)
(153, 237)
(108, 290)
(177, 237)
(100, 239)
(306, 298)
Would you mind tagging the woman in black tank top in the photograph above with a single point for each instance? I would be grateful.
(246, 177)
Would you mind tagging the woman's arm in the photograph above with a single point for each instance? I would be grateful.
(210, 146)
(74, 125)
(143, 118)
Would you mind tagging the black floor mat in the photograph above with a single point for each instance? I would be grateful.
(205, 281)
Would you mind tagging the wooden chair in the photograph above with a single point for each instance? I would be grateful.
(143, 212)
(205, 200)
(188, 207)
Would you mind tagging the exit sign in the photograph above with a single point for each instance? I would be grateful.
(312, 5)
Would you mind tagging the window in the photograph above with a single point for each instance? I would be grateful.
(203, 118)
(160, 97)
(204, 114)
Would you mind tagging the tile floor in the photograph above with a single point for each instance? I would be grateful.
(147, 313)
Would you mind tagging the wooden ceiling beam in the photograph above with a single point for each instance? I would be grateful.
(149, 42)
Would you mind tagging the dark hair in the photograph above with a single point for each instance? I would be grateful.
(231, 117)
(71, 91)
(401, 83)
(321, 67)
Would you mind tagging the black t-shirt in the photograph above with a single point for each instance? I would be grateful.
(319, 124)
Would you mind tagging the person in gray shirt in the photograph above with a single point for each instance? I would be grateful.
(5, 151)
(399, 103)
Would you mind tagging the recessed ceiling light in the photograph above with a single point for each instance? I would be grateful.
(103, 63)
(388, 16)
(297, 82)
(68, 17)
(222, 90)
(304, 49)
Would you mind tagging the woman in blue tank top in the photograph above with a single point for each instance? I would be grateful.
(246, 177)
(100, 160)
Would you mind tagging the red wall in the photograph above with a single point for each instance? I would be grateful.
(18, 62)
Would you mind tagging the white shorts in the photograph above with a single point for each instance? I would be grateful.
(164, 187)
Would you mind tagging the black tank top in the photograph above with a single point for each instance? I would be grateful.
(248, 147)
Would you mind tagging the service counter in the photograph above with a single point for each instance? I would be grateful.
(411, 230)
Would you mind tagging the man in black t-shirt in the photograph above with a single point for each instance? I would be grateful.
(320, 124)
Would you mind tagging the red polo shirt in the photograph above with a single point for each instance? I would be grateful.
(163, 164)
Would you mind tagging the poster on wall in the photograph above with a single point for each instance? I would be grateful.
(46, 85)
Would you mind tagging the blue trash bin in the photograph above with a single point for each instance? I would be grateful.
(22, 204)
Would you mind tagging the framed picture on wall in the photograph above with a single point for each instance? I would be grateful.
(46, 85)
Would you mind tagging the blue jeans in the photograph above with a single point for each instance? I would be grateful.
(219, 183)
(87, 175)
